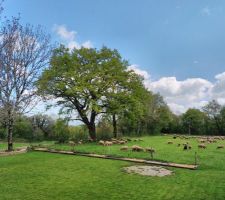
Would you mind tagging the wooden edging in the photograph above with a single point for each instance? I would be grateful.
(166, 164)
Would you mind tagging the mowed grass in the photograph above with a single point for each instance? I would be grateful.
(3, 145)
(41, 176)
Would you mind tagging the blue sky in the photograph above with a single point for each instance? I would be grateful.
(180, 45)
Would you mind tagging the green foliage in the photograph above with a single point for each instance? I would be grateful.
(61, 130)
(104, 130)
(44, 124)
(150, 116)
(194, 121)
(23, 128)
(3, 133)
(78, 133)
(90, 82)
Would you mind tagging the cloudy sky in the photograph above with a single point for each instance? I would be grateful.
(178, 46)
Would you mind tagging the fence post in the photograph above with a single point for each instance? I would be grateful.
(195, 158)
(151, 153)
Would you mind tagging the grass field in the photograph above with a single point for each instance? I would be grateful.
(40, 176)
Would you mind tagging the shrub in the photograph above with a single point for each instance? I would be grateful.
(104, 130)
(23, 128)
(78, 133)
(61, 130)
(3, 133)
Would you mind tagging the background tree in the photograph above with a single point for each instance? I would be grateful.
(222, 113)
(24, 52)
(126, 95)
(213, 111)
(43, 122)
(61, 130)
(194, 121)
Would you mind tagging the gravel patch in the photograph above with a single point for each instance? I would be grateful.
(148, 170)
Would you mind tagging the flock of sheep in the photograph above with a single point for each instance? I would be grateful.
(202, 141)
(126, 148)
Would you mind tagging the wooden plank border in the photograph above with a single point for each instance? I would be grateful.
(151, 162)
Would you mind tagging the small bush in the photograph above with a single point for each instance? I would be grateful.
(3, 133)
(104, 131)
(61, 130)
(78, 133)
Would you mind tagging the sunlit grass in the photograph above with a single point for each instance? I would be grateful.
(47, 176)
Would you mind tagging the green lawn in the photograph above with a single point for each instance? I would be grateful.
(3, 145)
(40, 176)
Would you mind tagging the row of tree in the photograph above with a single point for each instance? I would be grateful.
(210, 120)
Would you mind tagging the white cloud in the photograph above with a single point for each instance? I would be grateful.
(70, 37)
(87, 44)
(73, 44)
(183, 94)
(220, 76)
(176, 108)
(206, 11)
(218, 91)
(64, 34)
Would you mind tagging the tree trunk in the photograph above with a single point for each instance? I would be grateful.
(10, 131)
(92, 131)
(189, 129)
(114, 126)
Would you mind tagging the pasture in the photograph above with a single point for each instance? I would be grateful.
(37, 175)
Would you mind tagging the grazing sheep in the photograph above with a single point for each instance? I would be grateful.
(150, 150)
(137, 148)
(107, 143)
(220, 147)
(169, 142)
(202, 141)
(186, 146)
(101, 142)
(124, 148)
(202, 146)
(121, 142)
(71, 143)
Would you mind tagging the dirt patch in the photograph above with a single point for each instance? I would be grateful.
(16, 151)
(148, 170)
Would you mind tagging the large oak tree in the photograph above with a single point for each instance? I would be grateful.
(88, 81)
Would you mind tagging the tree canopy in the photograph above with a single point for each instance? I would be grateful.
(89, 81)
